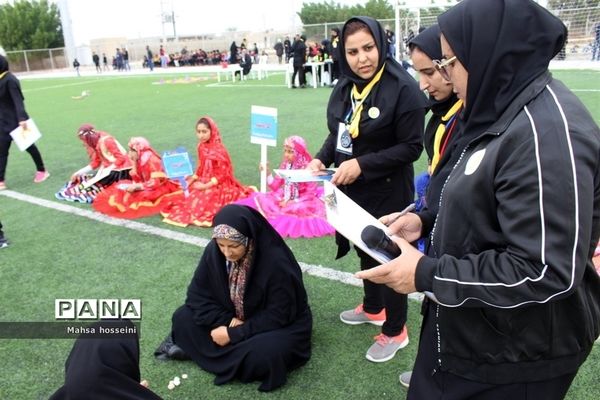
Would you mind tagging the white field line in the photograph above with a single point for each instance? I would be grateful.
(237, 85)
(314, 270)
(80, 83)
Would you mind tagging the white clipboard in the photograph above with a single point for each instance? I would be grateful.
(349, 219)
(25, 138)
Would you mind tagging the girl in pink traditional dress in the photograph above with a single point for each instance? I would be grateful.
(107, 157)
(294, 209)
(141, 195)
(211, 187)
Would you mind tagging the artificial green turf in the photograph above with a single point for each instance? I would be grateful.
(57, 255)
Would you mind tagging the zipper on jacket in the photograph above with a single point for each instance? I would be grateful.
(439, 339)
(432, 244)
(432, 233)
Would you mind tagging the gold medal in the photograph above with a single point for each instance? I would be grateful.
(374, 112)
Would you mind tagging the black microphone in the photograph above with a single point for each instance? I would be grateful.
(377, 240)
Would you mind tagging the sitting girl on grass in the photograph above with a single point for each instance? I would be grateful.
(107, 157)
(294, 209)
(211, 187)
(143, 194)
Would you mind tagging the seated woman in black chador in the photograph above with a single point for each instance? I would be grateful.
(105, 368)
(246, 315)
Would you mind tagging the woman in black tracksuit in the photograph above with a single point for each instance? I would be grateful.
(375, 118)
(514, 300)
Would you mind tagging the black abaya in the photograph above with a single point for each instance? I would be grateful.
(276, 334)
(106, 368)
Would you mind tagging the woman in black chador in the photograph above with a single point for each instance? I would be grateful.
(246, 314)
(105, 367)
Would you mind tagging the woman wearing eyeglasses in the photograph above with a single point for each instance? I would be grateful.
(425, 51)
(443, 125)
(514, 307)
(375, 117)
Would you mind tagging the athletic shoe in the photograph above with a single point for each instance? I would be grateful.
(41, 176)
(385, 347)
(405, 378)
(358, 316)
(3, 243)
(2, 185)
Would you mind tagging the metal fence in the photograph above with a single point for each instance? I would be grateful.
(35, 60)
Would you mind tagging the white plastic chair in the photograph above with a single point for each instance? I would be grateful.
(290, 73)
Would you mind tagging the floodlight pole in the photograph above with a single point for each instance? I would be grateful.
(173, 20)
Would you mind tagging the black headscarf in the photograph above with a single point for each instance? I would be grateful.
(504, 45)
(3, 64)
(428, 41)
(380, 41)
(104, 368)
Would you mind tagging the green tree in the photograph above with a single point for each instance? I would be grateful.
(318, 13)
(378, 9)
(30, 25)
(331, 12)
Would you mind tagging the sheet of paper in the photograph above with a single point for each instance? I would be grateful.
(304, 175)
(349, 219)
(25, 138)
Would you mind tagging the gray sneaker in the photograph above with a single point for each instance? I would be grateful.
(358, 316)
(385, 347)
(405, 378)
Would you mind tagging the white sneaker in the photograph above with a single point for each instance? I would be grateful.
(405, 378)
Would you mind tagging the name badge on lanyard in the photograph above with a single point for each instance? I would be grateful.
(344, 139)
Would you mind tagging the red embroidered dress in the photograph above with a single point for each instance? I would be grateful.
(148, 171)
(214, 165)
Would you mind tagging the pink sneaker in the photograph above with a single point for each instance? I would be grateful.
(2, 185)
(41, 176)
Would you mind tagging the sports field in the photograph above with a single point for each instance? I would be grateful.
(65, 251)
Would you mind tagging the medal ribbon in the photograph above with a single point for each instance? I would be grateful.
(358, 98)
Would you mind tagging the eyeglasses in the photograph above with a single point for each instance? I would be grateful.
(441, 66)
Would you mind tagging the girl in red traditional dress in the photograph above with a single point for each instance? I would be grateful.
(141, 195)
(293, 209)
(107, 157)
(211, 187)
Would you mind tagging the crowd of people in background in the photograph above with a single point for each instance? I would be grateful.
(283, 50)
